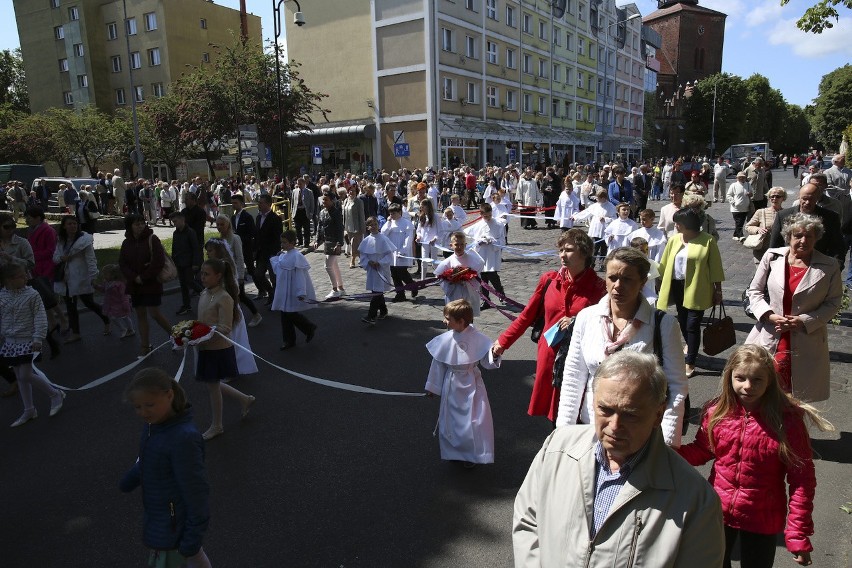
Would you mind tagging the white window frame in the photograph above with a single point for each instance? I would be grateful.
(150, 21)
(154, 58)
(511, 60)
(557, 36)
(158, 90)
(542, 30)
(581, 46)
(58, 32)
(447, 39)
(139, 93)
(448, 88)
(470, 5)
(567, 109)
(511, 19)
(491, 52)
(120, 98)
(542, 68)
(63, 65)
(492, 96)
(557, 72)
(130, 26)
(579, 115)
(68, 97)
(580, 79)
(83, 81)
(73, 13)
(569, 37)
(203, 23)
(511, 100)
(542, 106)
(115, 60)
(470, 47)
(581, 12)
(491, 9)
(135, 60)
(589, 114)
(527, 103)
(54, 3)
(472, 93)
(527, 64)
(554, 107)
(112, 31)
(79, 51)
(526, 23)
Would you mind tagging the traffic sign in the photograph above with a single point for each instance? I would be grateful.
(247, 161)
(232, 141)
(245, 144)
(229, 159)
(513, 155)
(401, 150)
(316, 152)
(233, 151)
(248, 134)
(137, 157)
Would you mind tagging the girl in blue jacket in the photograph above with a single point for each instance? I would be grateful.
(170, 468)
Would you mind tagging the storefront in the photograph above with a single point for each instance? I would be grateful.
(457, 151)
(337, 148)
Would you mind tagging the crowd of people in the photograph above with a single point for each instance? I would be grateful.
(609, 355)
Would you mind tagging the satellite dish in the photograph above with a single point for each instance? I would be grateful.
(558, 7)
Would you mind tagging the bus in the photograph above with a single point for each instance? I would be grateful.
(738, 153)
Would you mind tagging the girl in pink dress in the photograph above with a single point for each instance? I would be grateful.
(116, 305)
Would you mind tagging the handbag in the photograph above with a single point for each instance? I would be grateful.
(59, 271)
(538, 324)
(169, 270)
(561, 356)
(757, 241)
(719, 333)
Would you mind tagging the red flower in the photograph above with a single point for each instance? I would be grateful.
(458, 274)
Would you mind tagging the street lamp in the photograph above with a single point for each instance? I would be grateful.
(606, 78)
(299, 20)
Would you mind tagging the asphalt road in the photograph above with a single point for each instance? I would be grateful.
(327, 478)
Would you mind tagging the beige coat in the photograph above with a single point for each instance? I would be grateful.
(666, 515)
(816, 300)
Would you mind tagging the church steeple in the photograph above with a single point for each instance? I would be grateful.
(666, 3)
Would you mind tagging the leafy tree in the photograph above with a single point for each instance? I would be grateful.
(730, 93)
(832, 113)
(764, 110)
(94, 136)
(650, 134)
(795, 136)
(13, 85)
(818, 17)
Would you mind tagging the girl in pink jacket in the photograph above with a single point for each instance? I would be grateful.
(757, 436)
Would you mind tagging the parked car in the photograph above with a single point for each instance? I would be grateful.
(24, 173)
(53, 184)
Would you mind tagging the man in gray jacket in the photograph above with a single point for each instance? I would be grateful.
(613, 494)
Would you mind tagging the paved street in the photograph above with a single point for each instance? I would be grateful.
(317, 477)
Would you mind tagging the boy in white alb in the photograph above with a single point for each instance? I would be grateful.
(654, 236)
(600, 214)
(489, 236)
(294, 291)
(465, 426)
(567, 205)
(400, 231)
(457, 273)
(617, 233)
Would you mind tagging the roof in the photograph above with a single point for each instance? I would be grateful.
(680, 7)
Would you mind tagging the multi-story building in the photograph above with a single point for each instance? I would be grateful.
(470, 81)
(83, 52)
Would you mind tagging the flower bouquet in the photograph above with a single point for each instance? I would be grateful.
(458, 275)
(190, 332)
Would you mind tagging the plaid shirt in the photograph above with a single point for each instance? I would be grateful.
(608, 484)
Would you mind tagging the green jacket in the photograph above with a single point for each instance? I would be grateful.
(703, 268)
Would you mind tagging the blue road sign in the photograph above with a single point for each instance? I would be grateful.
(316, 151)
(513, 155)
(401, 150)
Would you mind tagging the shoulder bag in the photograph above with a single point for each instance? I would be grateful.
(561, 355)
(538, 325)
(169, 270)
(758, 241)
(719, 333)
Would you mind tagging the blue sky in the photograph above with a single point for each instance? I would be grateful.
(760, 37)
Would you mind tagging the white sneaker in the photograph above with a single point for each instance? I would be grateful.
(255, 321)
(330, 295)
(340, 292)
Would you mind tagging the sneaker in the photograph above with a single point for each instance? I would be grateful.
(332, 294)
(369, 320)
(255, 320)
(340, 292)
(183, 310)
(484, 306)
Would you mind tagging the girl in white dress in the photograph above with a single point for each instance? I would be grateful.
(617, 233)
(465, 427)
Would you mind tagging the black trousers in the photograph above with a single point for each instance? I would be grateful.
(248, 255)
(186, 278)
(290, 321)
(527, 223)
(492, 278)
(245, 300)
(74, 316)
(739, 221)
(377, 306)
(756, 550)
(689, 320)
(303, 227)
(261, 268)
(401, 276)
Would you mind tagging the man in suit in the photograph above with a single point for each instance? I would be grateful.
(641, 189)
(371, 204)
(267, 243)
(244, 226)
(303, 205)
(831, 242)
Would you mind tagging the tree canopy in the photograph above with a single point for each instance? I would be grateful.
(13, 86)
(818, 17)
(832, 111)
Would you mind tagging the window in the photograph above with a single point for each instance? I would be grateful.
(567, 109)
(510, 17)
(130, 26)
(73, 13)
(139, 94)
(78, 49)
(526, 27)
(491, 9)
(555, 108)
(446, 39)
(557, 36)
(116, 64)
(527, 103)
(59, 33)
(600, 86)
(154, 57)
(511, 101)
(542, 106)
(542, 68)
(590, 87)
(54, 3)
(579, 111)
(470, 5)
(600, 116)
(581, 46)
(150, 21)
(581, 12)
(135, 60)
(68, 98)
(203, 24)
(511, 62)
(119, 97)
(470, 47)
(568, 74)
(82, 81)
(448, 89)
(600, 53)
(491, 49)
(527, 68)
(472, 93)
(492, 95)
(205, 57)
(112, 31)
(580, 79)
(609, 89)
(588, 114)
(557, 72)
(158, 90)
(569, 41)
(63, 65)
(542, 30)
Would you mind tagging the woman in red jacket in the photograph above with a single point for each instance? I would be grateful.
(559, 296)
(757, 436)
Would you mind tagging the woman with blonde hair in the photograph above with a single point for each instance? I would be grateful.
(763, 219)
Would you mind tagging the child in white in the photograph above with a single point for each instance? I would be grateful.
(489, 236)
(617, 233)
(654, 236)
(116, 305)
(599, 215)
(649, 291)
(465, 427)
(400, 231)
(567, 205)
(448, 225)
(458, 263)
(376, 257)
(294, 290)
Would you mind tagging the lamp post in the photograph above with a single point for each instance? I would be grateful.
(136, 155)
(276, 18)
(606, 79)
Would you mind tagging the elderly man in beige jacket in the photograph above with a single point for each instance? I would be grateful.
(613, 494)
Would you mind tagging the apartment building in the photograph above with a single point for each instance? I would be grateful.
(83, 52)
(471, 81)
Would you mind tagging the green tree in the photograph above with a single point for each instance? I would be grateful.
(650, 134)
(730, 93)
(795, 136)
(13, 85)
(818, 17)
(94, 136)
(159, 133)
(764, 109)
(832, 113)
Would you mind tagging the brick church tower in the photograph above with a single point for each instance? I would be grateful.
(692, 42)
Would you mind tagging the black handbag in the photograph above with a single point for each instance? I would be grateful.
(59, 271)
(538, 325)
(719, 333)
(561, 356)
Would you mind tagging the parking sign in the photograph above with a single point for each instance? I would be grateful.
(316, 151)
(401, 150)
